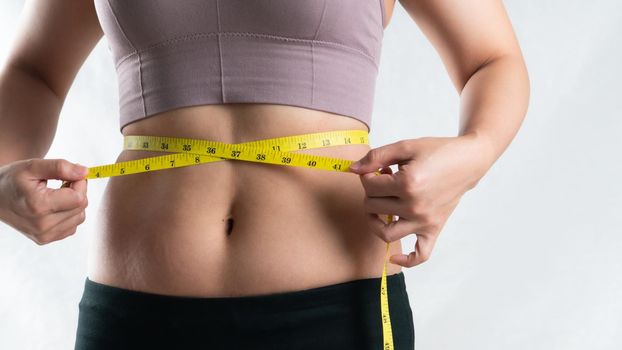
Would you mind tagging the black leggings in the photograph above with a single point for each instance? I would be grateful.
(338, 316)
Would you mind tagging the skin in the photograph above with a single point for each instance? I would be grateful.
(293, 229)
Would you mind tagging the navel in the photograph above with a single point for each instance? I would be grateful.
(229, 225)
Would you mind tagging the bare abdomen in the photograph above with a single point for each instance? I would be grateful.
(234, 228)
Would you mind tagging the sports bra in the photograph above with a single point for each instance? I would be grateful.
(319, 54)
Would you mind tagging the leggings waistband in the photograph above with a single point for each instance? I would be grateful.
(338, 316)
(350, 292)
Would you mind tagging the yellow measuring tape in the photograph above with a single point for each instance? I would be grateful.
(272, 151)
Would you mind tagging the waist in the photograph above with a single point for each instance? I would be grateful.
(236, 227)
(228, 184)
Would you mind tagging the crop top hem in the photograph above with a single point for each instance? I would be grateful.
(202, 104)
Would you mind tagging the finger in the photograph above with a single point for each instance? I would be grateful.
(59, 169)
(394, 230)
(70, 225)
(65, 228)
(380, 185)
(58, 217)
(80, 186)
(400, 228)
(382, 156)
(386, 205)
(423, 251)
(50, 221)
(62, 199)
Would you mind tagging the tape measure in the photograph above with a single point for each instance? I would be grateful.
(272, 151)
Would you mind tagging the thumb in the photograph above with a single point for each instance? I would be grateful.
(377, 158)
(59, 169)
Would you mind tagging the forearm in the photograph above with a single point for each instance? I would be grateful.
(493, 104)
(29, 112)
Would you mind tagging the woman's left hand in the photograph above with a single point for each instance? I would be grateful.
(433, 174)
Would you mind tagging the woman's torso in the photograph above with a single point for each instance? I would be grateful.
(293, 228)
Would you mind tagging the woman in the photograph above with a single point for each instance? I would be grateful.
(236, 253)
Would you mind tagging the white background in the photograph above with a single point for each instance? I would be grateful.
(530, 259)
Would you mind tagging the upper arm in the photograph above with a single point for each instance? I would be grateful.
(466, 34)
(53, 40)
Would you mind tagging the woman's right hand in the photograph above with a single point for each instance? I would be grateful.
(43, 214)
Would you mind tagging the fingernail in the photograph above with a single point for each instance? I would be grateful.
(355, 166)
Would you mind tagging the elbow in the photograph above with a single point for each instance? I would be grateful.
(510, 66)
